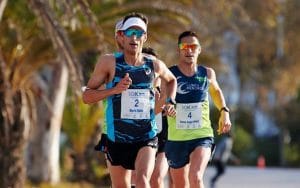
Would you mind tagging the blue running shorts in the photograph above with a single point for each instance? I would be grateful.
(178, 152)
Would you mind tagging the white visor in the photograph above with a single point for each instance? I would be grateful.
(134, 21)
(118, 26)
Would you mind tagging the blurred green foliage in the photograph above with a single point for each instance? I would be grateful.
(79, 123)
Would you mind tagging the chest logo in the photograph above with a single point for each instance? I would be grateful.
(180, 89)
(148, 71)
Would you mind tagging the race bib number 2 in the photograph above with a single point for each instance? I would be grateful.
(135, 104)
(188, 116)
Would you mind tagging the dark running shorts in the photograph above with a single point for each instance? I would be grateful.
(124, 154)
(178, 152)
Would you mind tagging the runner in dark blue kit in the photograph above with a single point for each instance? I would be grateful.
(130, 117)
(190, 134)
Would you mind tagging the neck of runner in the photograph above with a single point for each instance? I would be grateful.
(188, 70)
(134, 60)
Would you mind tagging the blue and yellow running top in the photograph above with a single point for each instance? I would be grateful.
(192, 119)
(130, 115)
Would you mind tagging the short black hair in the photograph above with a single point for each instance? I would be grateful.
(149, 50)
(186, 34)
(138, 15)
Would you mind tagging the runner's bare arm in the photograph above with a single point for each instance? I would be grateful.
(171, 86)
(160, 95)
(103, 73)
(165, 74)
(215, 90)
(219, 100)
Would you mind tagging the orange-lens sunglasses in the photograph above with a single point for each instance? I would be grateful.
(186, 46)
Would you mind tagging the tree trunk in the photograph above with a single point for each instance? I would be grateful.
(60, 41)
(49, 138)
(43, 148)
(12, 172)
(2, 7)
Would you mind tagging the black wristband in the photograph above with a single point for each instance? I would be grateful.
(225, 108)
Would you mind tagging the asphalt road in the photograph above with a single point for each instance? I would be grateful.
(252, 177)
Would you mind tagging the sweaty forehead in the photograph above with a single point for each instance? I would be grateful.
(190, 39)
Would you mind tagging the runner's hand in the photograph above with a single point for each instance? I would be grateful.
(169, 110)
(123, 84)
(224, 123)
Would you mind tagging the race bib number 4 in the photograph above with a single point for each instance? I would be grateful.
(188, 116)
(135, 104)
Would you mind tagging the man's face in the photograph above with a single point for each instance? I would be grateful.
(189, 49)
(133, 39)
